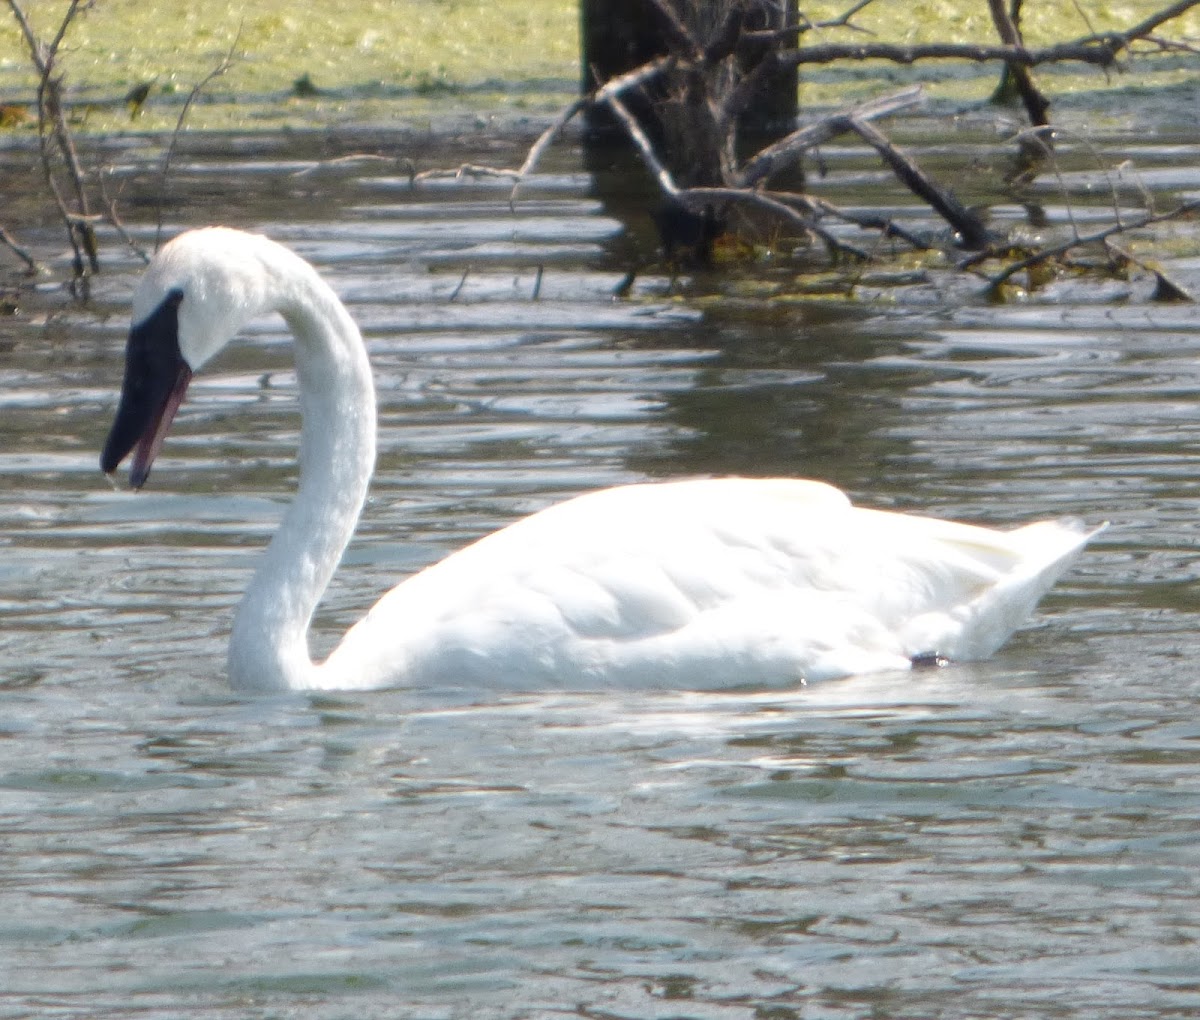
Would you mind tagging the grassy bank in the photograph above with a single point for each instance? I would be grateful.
(379, 60)
(358, 55)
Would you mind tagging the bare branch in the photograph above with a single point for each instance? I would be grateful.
(1100, 51)
(994, 282)
(225, 64)
(644, 146)
(1144, 28)
(787, 150)
(968, 225)
(1036, 104)
(54, 135)
(543, 143)
(779, 208)
(638, 76)
(31, 265)
(110, 210)
(465, 170)
(677, 35)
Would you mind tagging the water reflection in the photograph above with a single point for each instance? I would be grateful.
(1012, 837)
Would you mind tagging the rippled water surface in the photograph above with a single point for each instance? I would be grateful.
(1016, 838)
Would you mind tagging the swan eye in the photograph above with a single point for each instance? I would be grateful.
(154, 371)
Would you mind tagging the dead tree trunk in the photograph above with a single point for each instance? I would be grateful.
(685, 111)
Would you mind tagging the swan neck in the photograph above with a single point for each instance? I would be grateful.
(269, 643)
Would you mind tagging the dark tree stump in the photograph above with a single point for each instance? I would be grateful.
(680, 111)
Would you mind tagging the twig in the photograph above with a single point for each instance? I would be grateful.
(110, 209)
(767, 35)
(843, 20)
(540, 146)
(458, 173)
(462, 281)
(612, 88)
(1165, 289)
(31, 264)
(1099, 236)
(787, 150)
(969, 226)
(52, 125)
(225, 64)
(765, 200)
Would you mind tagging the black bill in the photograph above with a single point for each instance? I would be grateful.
(156, 380)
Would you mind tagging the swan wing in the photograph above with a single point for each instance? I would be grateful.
(705, 583)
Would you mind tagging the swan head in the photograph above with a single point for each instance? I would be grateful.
(195, 295)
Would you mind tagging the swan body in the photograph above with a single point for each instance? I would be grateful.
(691, 584)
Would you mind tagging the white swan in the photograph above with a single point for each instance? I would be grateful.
(689, 584)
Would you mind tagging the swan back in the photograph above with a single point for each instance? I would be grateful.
(707, 583)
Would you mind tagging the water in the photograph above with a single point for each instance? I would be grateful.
(1014, 838)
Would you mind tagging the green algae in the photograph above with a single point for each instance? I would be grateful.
(357, 56)
(377, 61)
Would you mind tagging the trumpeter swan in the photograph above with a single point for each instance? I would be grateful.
(690, 584)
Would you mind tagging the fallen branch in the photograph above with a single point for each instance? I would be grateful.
(1165, 289)
(1099, 237)
(31, 265)
(970, 228)
(666, 182)
(886, 226)
(697, 199)
(465, 170)
(781, 209)
(348, 160)
(533, 157)
(787, 151)
(693, 216)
